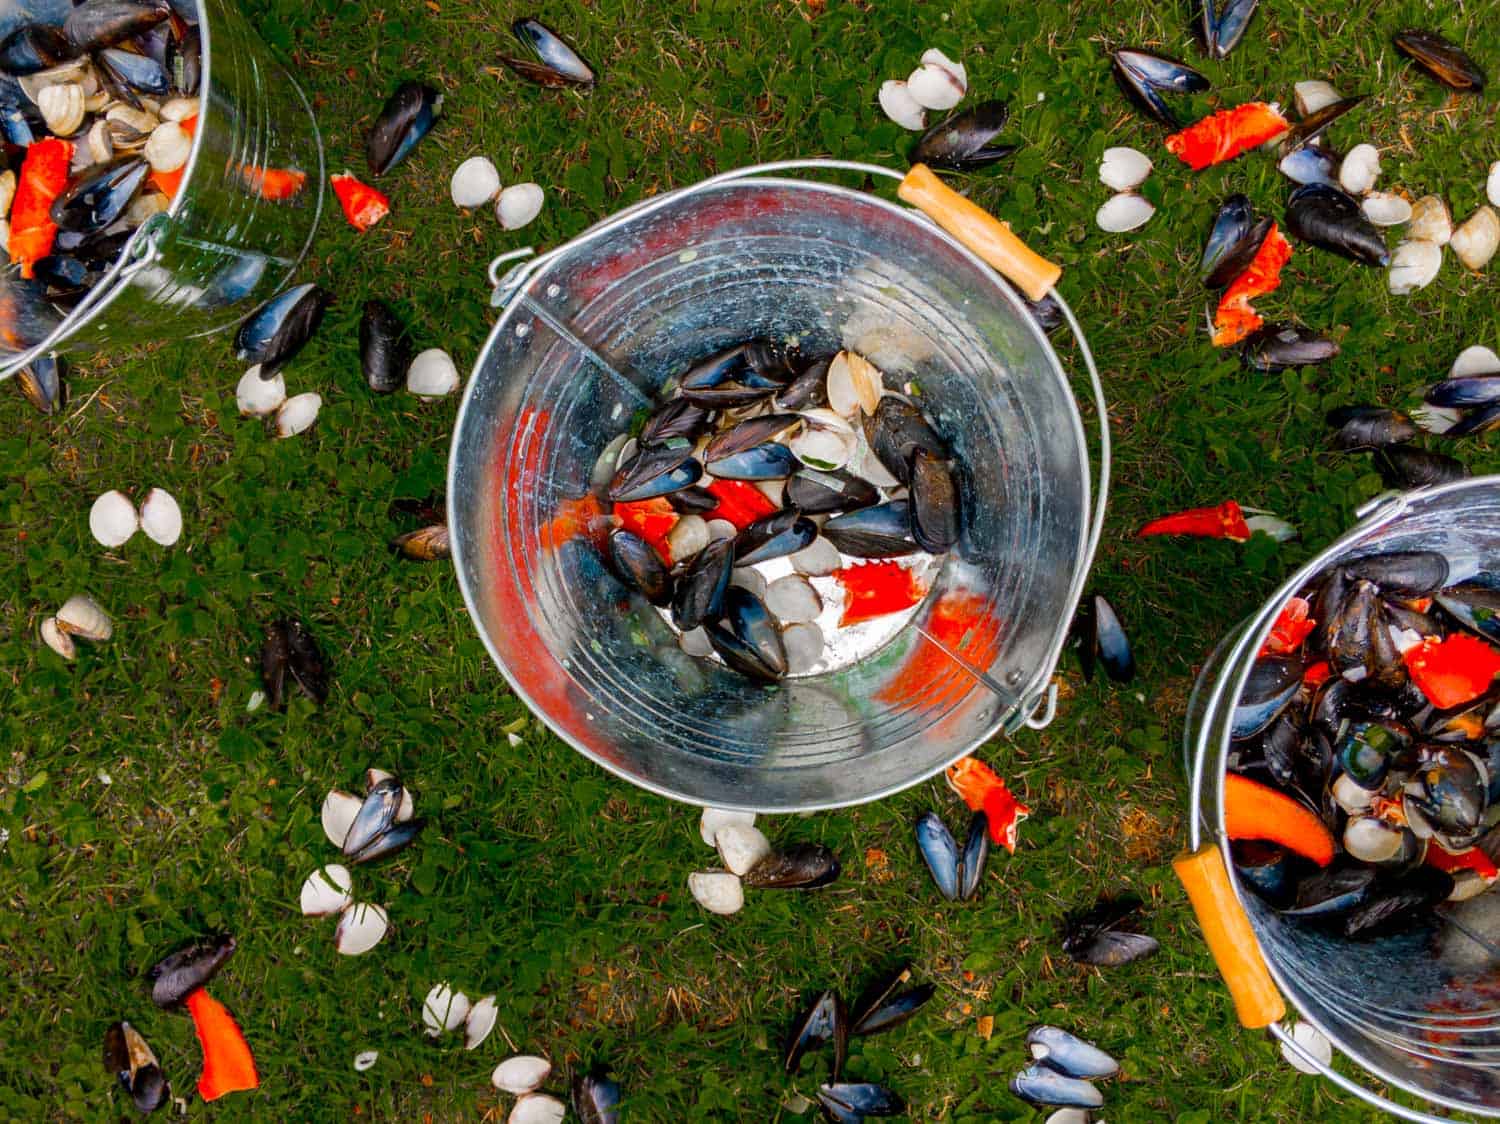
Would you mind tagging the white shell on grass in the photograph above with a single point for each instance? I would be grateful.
(444, 1009)
(521, 1074)
(897, 103)
(695, 642)
(713, 819)
(1312, 96)
(161, 518)
(1492, 185)
(854, 384)
(475, 182)
(365, 1059)
(804, 647)
(56, 639)
(339, 810)
(298, 413)
(326, 890)
(1126, 211)
(519, 204)
(793, 600)
(62, 108)
(1430, 221)
(1476, 239)
(81, 616)
(112, 519)
(1313, 1042)
(1360, 169)
(537, 1108)
(1437, 419)
(1123, 168)
(1386, 209)
(361, 927)
(818, 558)
(432, 374)
(1476, 360)
(1414, 265)
(934, 86)
(480, 1021)
(256, 396)
(717, 891)
(167, 147)
(741, 846)
(688, 536)
(934, 57)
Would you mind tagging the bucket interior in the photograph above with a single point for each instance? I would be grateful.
(588, 346)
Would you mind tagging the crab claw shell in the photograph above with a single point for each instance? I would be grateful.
(1414, 266)
(257, 397)
(1476, 239)
(715, 820)
(81, 616)
(326, 891)
(1124, 212)
(58, 640)
(362, 927)
(444, 1009)
(161, 517)
(112, 519)
(717, 891)
(339, 810)
(479, 1023)
(935, 87)
(521, 1074)
(897, 103)
(537, 1108)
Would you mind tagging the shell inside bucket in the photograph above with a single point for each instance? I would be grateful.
(1419, 1009)
(587, 347)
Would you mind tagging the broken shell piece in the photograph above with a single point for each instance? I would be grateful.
(258, 397)
(475, 182)
(480, 1021)
(1385, 209)
(1430, 221)
(297, 413)
(161, 518)
(326, 891)
(715, 819)
(1476, 239)
(853, 384)
(167, 147)
(934, 87)
(1414, 265)
(717, 891)
(793, 600)
(521, 1074)
(112, 519)
(934, 57)
(365, 1059)
(1313, 96)
(81, 616)
(537, 1108)
(444, 1009)
(361, 927)
(178, 109)
(804, 647)
(741, 847)
(1360, 169)
(1126, 211)
(519, 204)
(432, 374)
(1476, 360)
(62, 108)
(339, 810)
(58, 640)
(897, 103)
(1123, 168)
(1312, 1041)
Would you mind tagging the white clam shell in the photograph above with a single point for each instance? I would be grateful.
(1350, 796)
(75, 70)
(1476, 239)
(167, 147)
(793, 600)
(934, 57)
(748, 577)
(1437, 419)
(519, 204)
(297, 413)
(1360, 169)
(444, 1009)
(56, 639)
(804, 647)
(717, 891)
(480, 1021)
(695, 642)
(1430, 221)
(1313, 1042)
(854, 385)
(81, 616)
(432, 374)
(934, 87)
(161, 517)
(1414, 265)
(818, 558)
(144, 206)
(62, 108)
(326, 890)
(475, 182)
(713, 819)
(7, 191)
(1311, 96)
(257, 397)
(1122, 168)
(138, 120)
(1126, 211)
(361, 927)
(1476, 360)
(521, 1074)
(178, 109)
(338, 812)
(365, 1059)
(688, 536)
(773, 490)
(113, 519)
(741, 846)
(821, 447)
(537, 1108)
(1072, 1116)
(1386, 209)
(1371, 840)
(721, 529)
(1492, 185)
(897, 103)
(101, 147)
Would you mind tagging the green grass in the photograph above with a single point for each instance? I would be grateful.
(144, 805)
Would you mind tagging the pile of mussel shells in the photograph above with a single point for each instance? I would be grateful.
(119, 80)
(1406, 789)
(774, 470)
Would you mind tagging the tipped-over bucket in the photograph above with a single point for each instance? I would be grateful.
(586, 342)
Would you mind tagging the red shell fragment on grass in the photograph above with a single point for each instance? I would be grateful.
(1452, 671)
(983, 791)
(1235, 319)
(1226, 134)
(874, 589)
(1226, 521)
(228, 1065)
(363, 205)
(1293, 624)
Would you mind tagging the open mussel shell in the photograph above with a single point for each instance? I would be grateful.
(394, 838)
(1069, 1054)
(1104, 935)
(964, 141)
(102, 23)
(406, 118)
(555, 62)
(934, 503)
(976, 854)
(1445, 61)
(808, 390)
(98, 196)
(700, 587)
(128, 1056)
(746, 637)
(1369, 427)
(384, 349)
(278, 330)
(376, 816)
(825, 1020)
(1277, 347)
(655, 470)
(939, 850)
(41, 381)
(747, 435)
(1465, 391)
(845, 1101)
(802, 866)
(1232, 242)
(1144, 76)
(1273, 683)
(775, 536)
(180, 973)
(1402, 466)
(1224, 23)
(889, 1002)
(883, 531)
(596, 1096)
(1314, 125)
(677, 418)
(1326, 217)
(640, 566)
(767, 461)
(1043, 1085)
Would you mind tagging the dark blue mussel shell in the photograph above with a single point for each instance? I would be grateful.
(1312, 163)
(276, 332)
(1144, 76)
(701, 585)
(884, 1005)
(746, 637)
(33, 47)
(132, 74)
(655, 471)
(596, 1097)
(883, 531)
(1043, 1085)
(770, 461)
(964, 141)
(940, 852)
(1233, 242)
(855, 1101)
(41, 381)
(555, 62)
(775, 536)
(97, 196)
(102, 23)
(406, 118)
(1224, 24)
(1069, 1054)
(825, 1020)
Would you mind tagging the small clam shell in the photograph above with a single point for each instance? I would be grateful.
(1353, 798)
(1313, 96)
(1371, 840)
(475, 182)
(688, 536)
(365, 1059)
(256, 396)
(793, 600)
(298, 413)
(75, 71)
(1476, 360)
(854, 384)
(823, 448)
(1476, 239)
(339, 810)
(161, 517)
(897, 103)
(1126, 211)
(62, 108)
(81, 616)
(934, 87)
(715, 820)
(934, 57)
(480, 1021)
(326, 891)
(1385, 209)
(1360, 169)
(444, 1009)
(804, 647)
(818, 559)
(1313, 1042)
(1430, 221)
(1492, 185)
(136, 119)
(96, 100)
(361, 927)
(7, 191)
(521, 1074)
(748, 577)
(178, 109)
(56, 639)
(112, 519)
(537, 1108)
(717, 891)
(741, 846)
(167, 147)
(1122, 169)
(432, 374)
(721, 529)
(519, 204)
(1414, 265)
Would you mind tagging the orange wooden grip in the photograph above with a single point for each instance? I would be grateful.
(980, 231)
(1229, 936)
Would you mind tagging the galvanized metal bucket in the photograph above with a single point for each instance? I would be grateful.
(1419, 1010)
(226, 243)
(588, 334)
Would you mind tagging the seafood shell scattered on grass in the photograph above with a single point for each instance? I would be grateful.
(432, 374)
(1414, 265)
(297, 413)
(1476, 239)
(161, 517)
(897, 103)
(1360, 169)
(519, 204)
(1122, 169)
(1430, 221)
(1124, 212)
(1314, 95)
(521, 1074)
(361, 927)
(475, 182)
(717, 891)
(113, 519)
(82, 617)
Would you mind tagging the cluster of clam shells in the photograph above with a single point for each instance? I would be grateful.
(259, 397)
(937, 83)
(523, 1076)
(1122, 170)
(114, 520)
(476, 182)
(445, 1010)
(80, 618)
